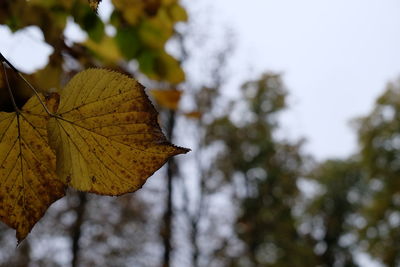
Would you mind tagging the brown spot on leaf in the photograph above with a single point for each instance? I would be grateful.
(52, 102)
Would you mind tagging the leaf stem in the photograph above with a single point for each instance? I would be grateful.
(36, 93)
(4, 60)
(9, 87)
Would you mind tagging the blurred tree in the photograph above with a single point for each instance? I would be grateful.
(265, 171)
(334, 212)
(379, 137)
(203, 224)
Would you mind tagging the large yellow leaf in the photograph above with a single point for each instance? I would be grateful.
(28, 182)
(106, 136)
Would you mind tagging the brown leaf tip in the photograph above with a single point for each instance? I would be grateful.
(182, 150)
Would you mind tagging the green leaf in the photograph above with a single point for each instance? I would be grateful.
(128, 42)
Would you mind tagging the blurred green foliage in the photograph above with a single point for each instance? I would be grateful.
(334, 210)
(269, 169)
(379, 137)
(142, 29)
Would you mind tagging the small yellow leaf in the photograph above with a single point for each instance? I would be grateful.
(178, 13)
(167, 98)
(193, 115)
(131, 10)
(28, 182)
(106, 49)
(94, 4)
(171, 68)
(106, 136)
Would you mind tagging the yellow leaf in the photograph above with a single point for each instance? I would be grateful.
(28, 182)
(168, 2)
(193, 115)
(167, 98)
(94, 4)
(106, 136)
(107, 49)
(156, 31)
(131, 10)
(178, 13)
(171, 68)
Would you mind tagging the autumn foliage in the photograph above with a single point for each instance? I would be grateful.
(101, 136)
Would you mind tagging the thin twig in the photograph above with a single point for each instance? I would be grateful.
(36, 93)
(3, 59)
(9, 88)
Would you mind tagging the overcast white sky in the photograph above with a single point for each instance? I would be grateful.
(336, 57)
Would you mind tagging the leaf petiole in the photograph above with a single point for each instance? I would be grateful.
(4, 60)
(9, 87)
(36, 93)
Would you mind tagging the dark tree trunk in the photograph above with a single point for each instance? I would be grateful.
(24, 258)
(169, 215)
(76, 230)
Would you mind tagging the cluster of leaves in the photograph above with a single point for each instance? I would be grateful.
(142, 29)
(379, 137)
(99, 135)
(343, 184)
(136, 31)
